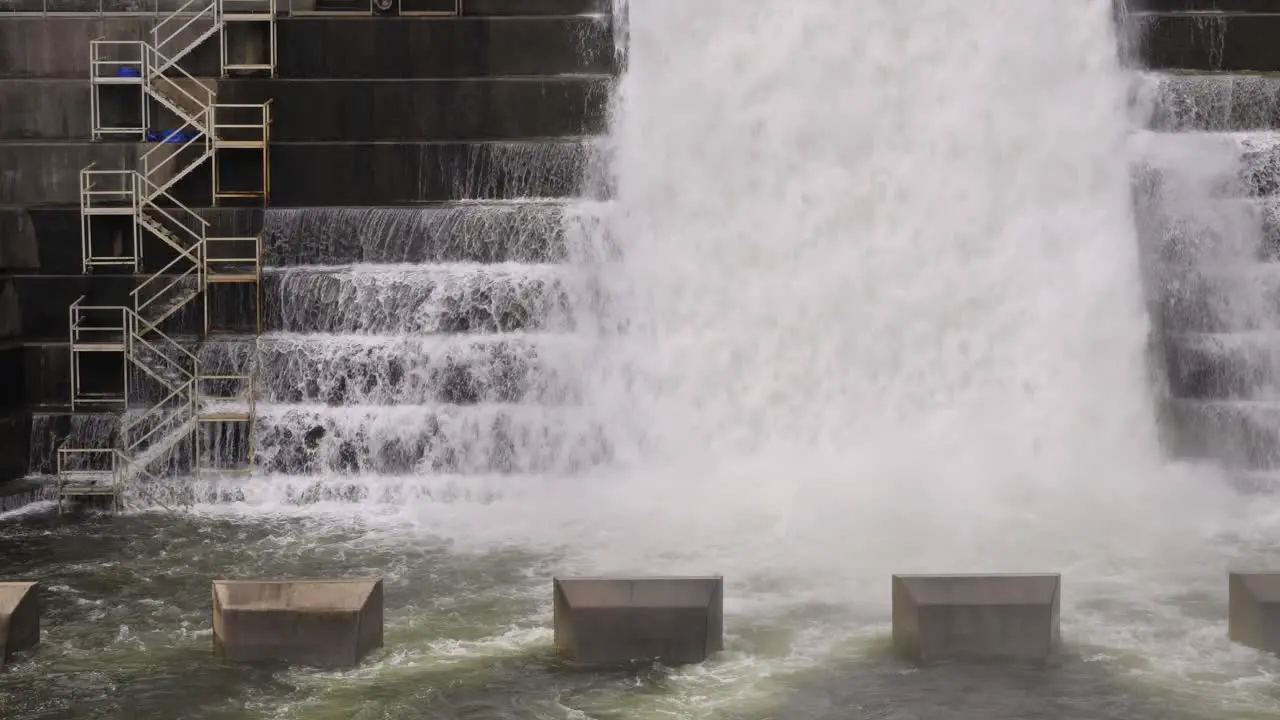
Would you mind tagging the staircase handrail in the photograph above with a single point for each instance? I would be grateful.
(139, 304)
(156, 65)
(147, 159)
(178, 15)
(159, 408)
(154, 191)
(149, 327)
(147, 201)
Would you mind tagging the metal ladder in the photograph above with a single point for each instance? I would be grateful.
(198, 260)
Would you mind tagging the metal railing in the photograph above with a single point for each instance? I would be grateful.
(108, 192)
(171, 8)
(198, 19)
(90, 471)
(144, 194)
(96, 328)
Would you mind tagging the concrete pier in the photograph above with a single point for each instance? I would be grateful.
(953, 617)
(605, 621)
(319, 623)
(19, 618)
(1253, 615)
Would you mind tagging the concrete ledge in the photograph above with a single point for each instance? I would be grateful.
(58, 47)
(946, 617)
(1254, 609)
(19, 618)
(619, 620)
(372, 47)
(400, 173)
(537, 7)
(49, 172)
(469, 109)
(1227, 42)
(1174, 6)
(45, 109)
(322, 623)
(1240, 435)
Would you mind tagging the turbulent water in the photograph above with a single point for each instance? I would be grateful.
(867, 297)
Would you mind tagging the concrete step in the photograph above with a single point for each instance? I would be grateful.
(1224, 366)
(1182, 6)
(1178, 102)
(1199, 41)
(535, 7)
(1241, 435)
(389, 370)
(418, 299)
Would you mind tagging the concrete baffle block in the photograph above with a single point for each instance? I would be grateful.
(614, 620)
(1253, 609)
(19, 618)
(319, 623)
(976, 617)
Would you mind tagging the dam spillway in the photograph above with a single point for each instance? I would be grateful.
(802, 339)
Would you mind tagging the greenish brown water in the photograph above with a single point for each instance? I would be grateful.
(126, 634)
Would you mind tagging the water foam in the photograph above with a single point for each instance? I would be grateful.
(876, 281)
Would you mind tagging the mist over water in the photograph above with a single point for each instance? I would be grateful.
(866, 297)
(880, 295)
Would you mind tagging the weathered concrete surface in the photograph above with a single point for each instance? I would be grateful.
(943, 617)
(675, 620)
(321, 623)
(19, 618)
(535, 7)
(109, 7)
(468, 109)
(369, 174)
(58, 47)
(45, 239)
(1228, 42)
(373, 47)
(1200, 5)
(1253, 615)
(44, 109)
(49, 172)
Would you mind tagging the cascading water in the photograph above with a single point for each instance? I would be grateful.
(1207, 204)
(866, 297)
(866, 284)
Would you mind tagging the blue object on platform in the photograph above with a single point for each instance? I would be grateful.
(127, 71)
(169, 136)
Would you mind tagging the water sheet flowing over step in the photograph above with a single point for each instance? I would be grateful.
(413, 299)
(397, 370)
(1209, 205)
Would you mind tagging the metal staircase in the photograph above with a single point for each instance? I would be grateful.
(191, 259)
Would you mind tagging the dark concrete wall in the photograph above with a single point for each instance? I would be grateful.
(1229, 42)
(409, 173)
(470, 7)
(371, 47)
(466, 109)
(58, 46)
(1199, 5)
(367, 112)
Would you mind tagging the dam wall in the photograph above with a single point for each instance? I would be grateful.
(367, 112)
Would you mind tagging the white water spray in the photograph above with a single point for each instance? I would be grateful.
(881, 281)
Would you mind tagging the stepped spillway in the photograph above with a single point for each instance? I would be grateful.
(1209, 206)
